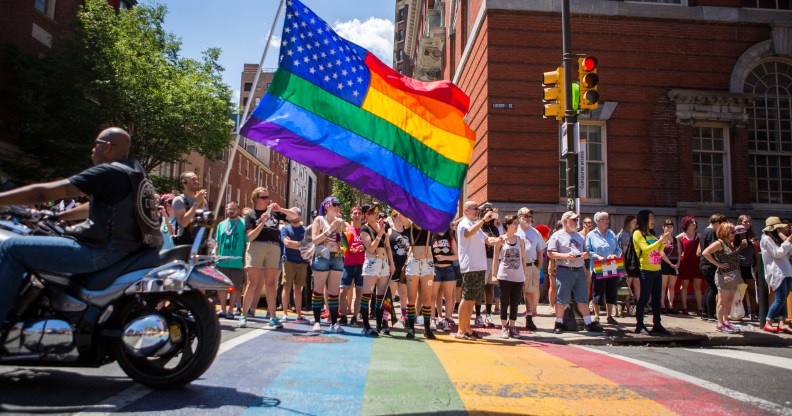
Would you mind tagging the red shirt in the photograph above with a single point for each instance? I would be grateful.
(354, 257)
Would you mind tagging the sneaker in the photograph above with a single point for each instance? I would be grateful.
(317, 327)
(612, 321)
(301, 319)
(229, 315)
(221, 314)
(352, 321)
(429, 335)
(732, 326)
(370, 331)
(659, 330)
(251, 313)
(489, 322)
(325, 314)
(433, 324)
(641, 330)
(284, 318)
(725, 329)
(558, 328)
(410, 333)
(336, 328)
(446, 325)
(594, 327)
(274, 323)
(514, 332)
(419, 320)
(479, 322)
(242, 322)
(505, 333)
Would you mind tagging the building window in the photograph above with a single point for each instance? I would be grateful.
(401, 55)
(237, 195)
(228, 193)
(596, 151)
(768, 4)
(770, 132)
(401, 15)
(401, 35)
(240, 165)
(710, 164)
(247, 169)
(248, 86)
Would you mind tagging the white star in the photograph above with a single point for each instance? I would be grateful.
(349, 83)
(344, 72)
(296, 63)
(295, 25)
(335, 76)
(326, 42)
(312, 70)
(303, 24)
(348, 59)
(338, 62)
(290, 52)
(355, 93)
(326, 78)
(317, 44)
(360, 79)
(305, 59)
(329, 64)
(305, 9)
(289, 15)
(296, 13)
(299, 49)
(319, 31)
(310, 34)
(313, 20)
(284, 42)
(332, 51)
(302, 36)
(287, 29)
(340, 86)
(321, 67)
(361, 67)
(315, 57)
(354, 69)
(324, 55)
(293, 39)
(308, 45)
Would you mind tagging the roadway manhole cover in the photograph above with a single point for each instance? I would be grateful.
(310, 339)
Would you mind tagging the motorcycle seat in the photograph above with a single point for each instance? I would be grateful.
(101, 279)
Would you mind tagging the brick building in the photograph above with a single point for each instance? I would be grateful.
(697, 101)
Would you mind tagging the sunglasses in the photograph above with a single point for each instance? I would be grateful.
(475, 209)
(336, 204)
(588, 223)
(100, 141)
(263, 197)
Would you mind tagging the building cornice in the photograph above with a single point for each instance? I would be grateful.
(646, 10)
(710, 106)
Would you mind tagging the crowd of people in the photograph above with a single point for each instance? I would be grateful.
(483, 261)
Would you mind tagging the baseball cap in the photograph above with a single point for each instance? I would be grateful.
(740, 229)
(297, 210)
(569, 215)
(524, 211)
(487, 207)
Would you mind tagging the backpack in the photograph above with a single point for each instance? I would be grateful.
(632, 263)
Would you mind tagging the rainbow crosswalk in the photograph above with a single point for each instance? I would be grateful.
(354, 374)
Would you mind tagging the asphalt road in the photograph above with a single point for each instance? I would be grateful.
(255, 373)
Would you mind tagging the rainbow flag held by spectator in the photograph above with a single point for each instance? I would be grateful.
(604, 269)
(335, 107)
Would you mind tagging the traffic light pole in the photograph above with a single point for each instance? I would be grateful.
(570, 117)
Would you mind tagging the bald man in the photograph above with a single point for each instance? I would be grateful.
(121, 218)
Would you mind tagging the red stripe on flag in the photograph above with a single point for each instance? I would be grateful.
(443, 91)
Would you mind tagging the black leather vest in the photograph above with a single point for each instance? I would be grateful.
(129, 225)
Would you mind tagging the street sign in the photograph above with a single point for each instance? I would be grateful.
(502, 105)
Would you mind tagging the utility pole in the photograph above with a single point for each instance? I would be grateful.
(570, 116)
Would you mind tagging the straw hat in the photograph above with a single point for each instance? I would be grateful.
(774, 223)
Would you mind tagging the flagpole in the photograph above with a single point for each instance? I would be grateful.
(246, 112)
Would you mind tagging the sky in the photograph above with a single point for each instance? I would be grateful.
(240, 28)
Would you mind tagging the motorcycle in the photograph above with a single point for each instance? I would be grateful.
(146, 312)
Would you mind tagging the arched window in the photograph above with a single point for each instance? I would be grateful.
(770, 132)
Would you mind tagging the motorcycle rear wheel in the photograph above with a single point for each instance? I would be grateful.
(190, 357)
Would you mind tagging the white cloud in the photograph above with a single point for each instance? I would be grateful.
(275, 41)
(374, 34)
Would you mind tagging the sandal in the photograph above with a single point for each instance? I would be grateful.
(461, 336)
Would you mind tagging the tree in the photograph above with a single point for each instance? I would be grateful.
(118, 68)
(350, 197)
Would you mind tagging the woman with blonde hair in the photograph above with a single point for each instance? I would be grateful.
(726, 258)
(263, 257)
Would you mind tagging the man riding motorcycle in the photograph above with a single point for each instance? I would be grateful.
(121, 218)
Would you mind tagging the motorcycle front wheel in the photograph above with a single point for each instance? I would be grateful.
(194, 339)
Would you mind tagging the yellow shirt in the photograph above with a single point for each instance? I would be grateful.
(649, 249)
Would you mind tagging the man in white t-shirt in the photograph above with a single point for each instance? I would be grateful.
(473, 263)
(534, 256)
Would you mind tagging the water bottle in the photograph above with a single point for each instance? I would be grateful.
(323, 252)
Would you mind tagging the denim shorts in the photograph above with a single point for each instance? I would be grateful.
(322, 264)
(419, 267)
(444, 274)
(571, 281)
(376, 267)
(352, 273)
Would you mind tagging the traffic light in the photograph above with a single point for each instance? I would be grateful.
(553, 95)
(589, 83)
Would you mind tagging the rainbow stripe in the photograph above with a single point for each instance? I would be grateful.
(335, 107)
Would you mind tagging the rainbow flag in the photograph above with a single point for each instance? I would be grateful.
(335, 107)
(604, 269)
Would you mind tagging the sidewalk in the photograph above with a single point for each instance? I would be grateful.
(686, 330)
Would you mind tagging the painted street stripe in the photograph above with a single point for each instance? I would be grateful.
(405, 377)
(780, 362)
(527, 379)
(323, 379)
(696, 400)
(138, 391)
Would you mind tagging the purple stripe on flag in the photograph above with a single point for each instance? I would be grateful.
(295, 147)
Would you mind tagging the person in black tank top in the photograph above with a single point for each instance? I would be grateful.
(378, 266)
(419, 270)
(444, 253)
